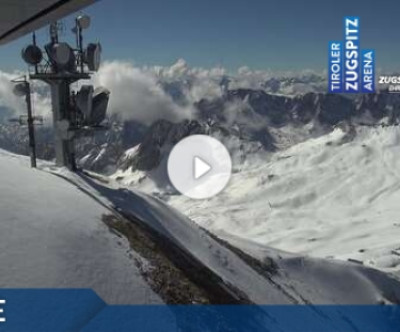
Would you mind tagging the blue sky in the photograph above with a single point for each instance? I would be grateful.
(261, 34)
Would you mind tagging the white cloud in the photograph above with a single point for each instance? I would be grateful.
(7, 98)
(139, 92)
(136, 94)
(41, 102)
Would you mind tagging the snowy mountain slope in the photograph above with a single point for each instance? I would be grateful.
(52, 236)
(277, 278)
(323, 197)
(310, 277)
(189, 237)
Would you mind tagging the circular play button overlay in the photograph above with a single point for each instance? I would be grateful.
(199, 167)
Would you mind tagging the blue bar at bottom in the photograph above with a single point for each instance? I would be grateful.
(83, 310)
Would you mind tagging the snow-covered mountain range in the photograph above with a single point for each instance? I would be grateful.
(326, 197)
(254, 117)
(295, 161)
(314, 178)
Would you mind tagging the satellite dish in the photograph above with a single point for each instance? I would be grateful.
(21, 89)
(93, 56)
(83, 21)
(84, 100)
(62, 56)
(101, 97)
(32, 55)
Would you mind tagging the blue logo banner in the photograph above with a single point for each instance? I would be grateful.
(48, 310)
(83, 310)
(335, 67)
(368, 71)
(350, 69)
(352, 54)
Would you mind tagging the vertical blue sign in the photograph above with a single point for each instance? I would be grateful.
(352, 54)
(368, 71)
(351, 70)
(335, 67)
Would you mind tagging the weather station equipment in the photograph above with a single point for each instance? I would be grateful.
(75, 114)
(22, 88)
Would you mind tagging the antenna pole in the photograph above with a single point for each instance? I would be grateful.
(80, 47)
(54, 32)
(31, 126)
(35, 44)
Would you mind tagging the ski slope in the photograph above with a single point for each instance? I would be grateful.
(323, 197)
(52, 236)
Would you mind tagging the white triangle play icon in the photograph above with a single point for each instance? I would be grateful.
(200, 167)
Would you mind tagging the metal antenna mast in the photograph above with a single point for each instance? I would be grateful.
(73, 114)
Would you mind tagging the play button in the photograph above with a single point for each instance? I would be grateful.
(199, 167)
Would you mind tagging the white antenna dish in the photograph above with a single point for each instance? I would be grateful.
(32, 55)
(83, 21)
(101, 97)
(84, 100)
(21, 89)
(93, 56)
(62, 54)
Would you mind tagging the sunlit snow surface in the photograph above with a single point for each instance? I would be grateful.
(52, 236)
(321, 197)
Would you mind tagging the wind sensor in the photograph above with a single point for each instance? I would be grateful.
(60, 65)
